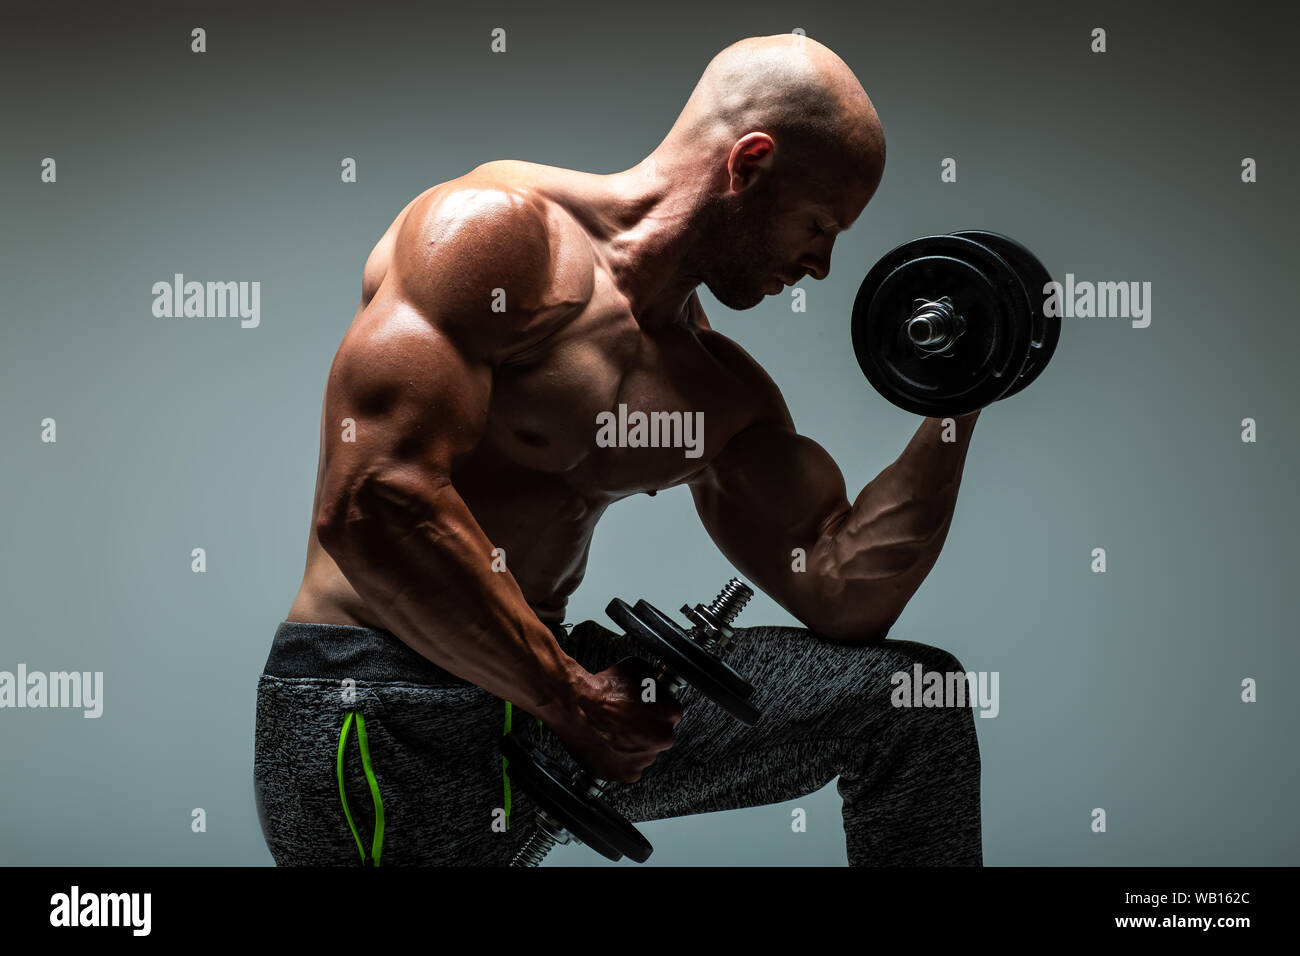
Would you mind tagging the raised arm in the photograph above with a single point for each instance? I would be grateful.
(415, 375)
(772, 491)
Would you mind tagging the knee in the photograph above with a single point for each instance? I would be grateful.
(907, 654)
(931, 692)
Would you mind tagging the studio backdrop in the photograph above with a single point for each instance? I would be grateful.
(1123, 554)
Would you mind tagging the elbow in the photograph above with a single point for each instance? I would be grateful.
(860, 599)
(858, 633)
(343, 514)
(332, 527)
(842, 620)
(373, 507)
(857, 612)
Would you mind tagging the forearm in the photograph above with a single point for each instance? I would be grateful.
(424, 567)
(872, 558)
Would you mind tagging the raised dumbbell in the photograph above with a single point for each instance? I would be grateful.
(945, 325)
(570, 804)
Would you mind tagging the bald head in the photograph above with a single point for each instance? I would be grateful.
(799, 93)
(776, 152)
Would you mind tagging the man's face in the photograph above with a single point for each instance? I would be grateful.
(771, 235)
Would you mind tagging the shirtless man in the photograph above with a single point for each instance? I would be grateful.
(460, 482)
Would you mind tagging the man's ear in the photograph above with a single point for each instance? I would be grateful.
(750, 157)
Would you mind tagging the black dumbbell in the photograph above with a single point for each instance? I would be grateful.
(945, 325)
(570, 804)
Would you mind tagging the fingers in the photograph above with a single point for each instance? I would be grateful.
(631, 721)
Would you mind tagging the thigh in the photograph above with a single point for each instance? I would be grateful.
(820, 703)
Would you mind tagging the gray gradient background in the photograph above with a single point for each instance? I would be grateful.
(1118, 690)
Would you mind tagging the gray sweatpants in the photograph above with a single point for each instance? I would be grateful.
(909, 777)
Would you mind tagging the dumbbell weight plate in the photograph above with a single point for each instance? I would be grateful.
(1034, 276)
(669, 630)
(587, 818)
(672, 647)
(986, 359)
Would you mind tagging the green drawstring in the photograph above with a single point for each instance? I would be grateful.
(505, 777)
(377, 844)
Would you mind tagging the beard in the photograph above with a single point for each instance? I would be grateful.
(742, 254)
(739, 293)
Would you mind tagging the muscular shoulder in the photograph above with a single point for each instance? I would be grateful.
(759, 397)
(490, 261)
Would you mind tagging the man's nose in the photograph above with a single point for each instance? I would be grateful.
(816, 266)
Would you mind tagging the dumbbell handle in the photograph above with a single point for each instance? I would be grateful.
(549, 832)
(719, 614)
(595, 786)
(934, 326)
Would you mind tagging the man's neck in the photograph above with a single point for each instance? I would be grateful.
(646, 219)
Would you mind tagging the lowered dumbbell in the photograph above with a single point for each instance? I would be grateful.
(570, 804)
(945, 325)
